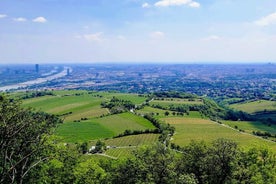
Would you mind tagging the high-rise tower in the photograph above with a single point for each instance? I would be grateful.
(36, 68)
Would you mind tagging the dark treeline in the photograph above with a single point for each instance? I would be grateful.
(116, 105)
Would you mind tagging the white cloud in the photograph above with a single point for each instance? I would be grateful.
(157, 35)
(164, 3)
(145, 5)
(20, 19)
(40, 20)
(194, 4)
(121, 37)
(267, 20)
(3, 16)
(211, 38)
(93, 37)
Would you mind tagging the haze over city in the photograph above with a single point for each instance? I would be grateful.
(133, 31)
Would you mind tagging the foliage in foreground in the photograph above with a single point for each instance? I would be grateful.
(221, 162)
(22, 144)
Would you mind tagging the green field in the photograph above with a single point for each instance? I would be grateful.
(132, 140)
(256, 106)
(120, 122)
(249, 126)
(81, 106)
(120, 152)
(83, 131)
(105, 127)
(167, 103)
(160, 113)
(74, 105)
(188, 129)
(123, 146)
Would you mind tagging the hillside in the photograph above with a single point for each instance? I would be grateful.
(87, 118)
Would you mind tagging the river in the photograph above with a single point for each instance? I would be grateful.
(37, 81)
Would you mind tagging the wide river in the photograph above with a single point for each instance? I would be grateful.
(37, 81)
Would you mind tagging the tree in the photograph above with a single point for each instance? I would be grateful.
(152, 164)
(221, 161)
(100, 147)
(89, 172)
(83, 147)
(23, 134)
(257, 165)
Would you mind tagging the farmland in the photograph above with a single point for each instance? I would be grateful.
(256, 106)
(188, 129)
(86, 120)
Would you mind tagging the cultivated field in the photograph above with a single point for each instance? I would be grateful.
(86, 120)
(256, 106)
(132, 140)
(188, 129)
(172, 101)
(249, 126)
(124, 146)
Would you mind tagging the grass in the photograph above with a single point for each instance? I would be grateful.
(83, 131)
(168, 101)
(98, 128)
(161, 112)
(80, 106)
(256, 106)
(120, 122)
(135, 98)
(127, 144)
(132, 140)
(188, 129)
(120, 152)
(249, 126)
(84, 104)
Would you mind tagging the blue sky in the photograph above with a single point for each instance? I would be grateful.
(129, 31)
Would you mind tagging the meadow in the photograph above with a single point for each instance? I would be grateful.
(250, 126)
(188, 129)
(255, 106)
(86, 120)
(172, 101)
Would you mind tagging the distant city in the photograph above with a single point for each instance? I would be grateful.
(212, 80)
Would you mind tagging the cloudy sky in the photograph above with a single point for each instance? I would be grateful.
(179, 31)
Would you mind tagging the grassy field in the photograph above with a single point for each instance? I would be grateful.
(125, 145)
(249, 126)
(105, 127)
(178, 101)
(167, 103)
(160, 113)
(188, 129)
(120, 152)
(83, 131)
(80, 106)
(120, 122)
(256, 106)
(76, 105)
(132, 140)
